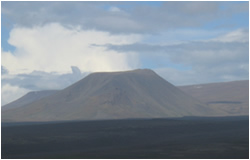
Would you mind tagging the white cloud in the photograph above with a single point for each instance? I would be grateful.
(114, 9)
(239, 35)
(45, 55)
(54, 48)
(10, 93)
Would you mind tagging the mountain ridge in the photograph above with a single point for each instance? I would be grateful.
(113, 95)
(28, 98)
(231, 97)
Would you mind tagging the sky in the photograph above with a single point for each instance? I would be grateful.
(50, 45)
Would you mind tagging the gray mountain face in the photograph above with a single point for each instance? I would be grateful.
(27, 99)
(113, 95)
(230, 97)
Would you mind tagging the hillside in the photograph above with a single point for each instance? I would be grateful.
(231, 97)
(113, 95)
(28, 98)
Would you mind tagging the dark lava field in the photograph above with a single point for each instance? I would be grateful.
(188, 137)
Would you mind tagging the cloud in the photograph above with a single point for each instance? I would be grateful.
(223, 58)
(58, 43)
(45, 54)
(87, 15)
(76, 71)
(4, 70)
(236, 7)
(138, 17)
(39, 80)
(115, 9)
(16, 85)
(179, 77)
(54, 48)
(10, 93)
(239, 35)
(203, 75)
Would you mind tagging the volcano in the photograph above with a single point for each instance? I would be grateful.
(133, 94)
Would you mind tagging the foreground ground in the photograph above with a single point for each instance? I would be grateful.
(156, 138)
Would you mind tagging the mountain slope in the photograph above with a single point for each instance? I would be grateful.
(112, 95)
(28, 98)
(231, 97)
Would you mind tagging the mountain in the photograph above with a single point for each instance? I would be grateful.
(230, 97)
(28, 98)
(112, 95)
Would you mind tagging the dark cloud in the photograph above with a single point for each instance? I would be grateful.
(132, 17)
(39, 80)
(192, 8)
(76, 71)
(191, 52)
(195, 62)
